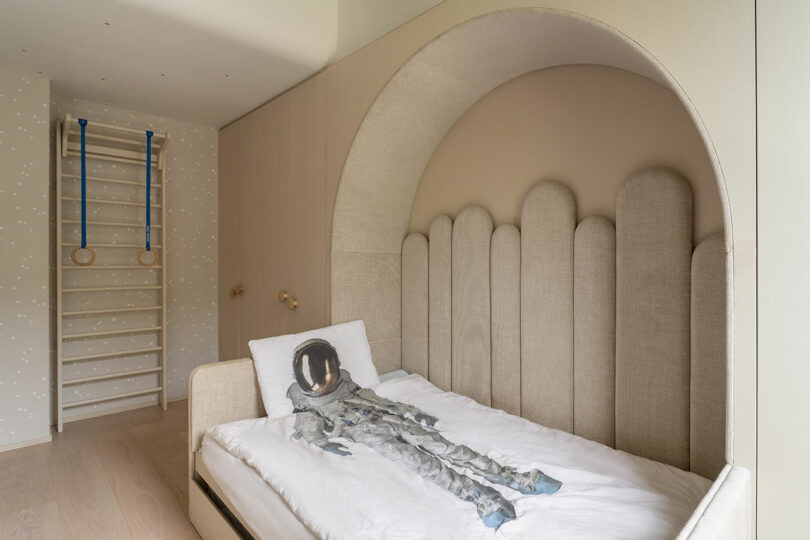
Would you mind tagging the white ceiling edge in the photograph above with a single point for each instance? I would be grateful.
(202, 62)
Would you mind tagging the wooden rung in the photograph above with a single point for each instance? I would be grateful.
(111, 180)
(111, 267)
(109, 223)
(107, 289)
(131, 142)
(73, 128)
(110, 376)
(106, 333)
(110, 201)
(116, 354)
(103, 157)
(110, 398)
(111, 310)
(74, 244)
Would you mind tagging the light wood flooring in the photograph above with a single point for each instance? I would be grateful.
(117, 476)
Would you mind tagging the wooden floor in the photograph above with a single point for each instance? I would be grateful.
(117, 476)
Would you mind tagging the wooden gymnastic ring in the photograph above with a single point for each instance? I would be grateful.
(141, 252)
(77, 261)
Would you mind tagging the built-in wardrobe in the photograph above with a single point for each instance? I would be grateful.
(273, 263)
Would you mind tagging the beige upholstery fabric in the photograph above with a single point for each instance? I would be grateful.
(374, 297)
(471, 364)
(548, 220)
(708, 373)
(439, 316)
(653, 259)
(725, 511)
(595, 330)
(505, 290)
(220, 393)
(415, 304)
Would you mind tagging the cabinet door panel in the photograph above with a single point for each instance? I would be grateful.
(308, 219)
(228, 225)
(251, 234)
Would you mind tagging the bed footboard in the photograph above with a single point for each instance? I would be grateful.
(725, 511)
(220, 393)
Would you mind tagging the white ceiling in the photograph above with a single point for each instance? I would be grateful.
(203, 61)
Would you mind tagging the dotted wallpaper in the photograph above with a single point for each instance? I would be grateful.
(191, 256)
(25, 360)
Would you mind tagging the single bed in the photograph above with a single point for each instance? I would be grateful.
(606, 494)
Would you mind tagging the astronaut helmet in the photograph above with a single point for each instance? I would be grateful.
(317, 367)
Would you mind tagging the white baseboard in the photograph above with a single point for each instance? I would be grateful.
(24, 444)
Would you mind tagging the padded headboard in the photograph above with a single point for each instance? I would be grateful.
(615, 333)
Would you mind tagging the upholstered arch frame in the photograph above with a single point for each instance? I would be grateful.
(411, 115)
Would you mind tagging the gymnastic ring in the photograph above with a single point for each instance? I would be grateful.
(79, 263)
(141, 252)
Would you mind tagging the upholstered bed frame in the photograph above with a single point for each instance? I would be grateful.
(615, 332)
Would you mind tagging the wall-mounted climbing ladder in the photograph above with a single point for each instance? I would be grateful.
(110, 277)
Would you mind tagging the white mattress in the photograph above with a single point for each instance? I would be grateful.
(605, 494)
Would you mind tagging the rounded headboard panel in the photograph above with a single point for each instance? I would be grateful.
(383, 168)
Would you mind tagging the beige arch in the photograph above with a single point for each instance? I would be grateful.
(411, 115)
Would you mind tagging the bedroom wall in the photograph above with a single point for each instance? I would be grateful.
(25, 360)
(709, 49)
(540, 125)
(191, 216)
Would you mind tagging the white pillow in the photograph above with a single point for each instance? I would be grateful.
(273, 360)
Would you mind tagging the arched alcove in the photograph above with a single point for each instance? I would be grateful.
(411, 115)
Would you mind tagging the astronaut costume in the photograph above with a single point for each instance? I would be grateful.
(328, 404)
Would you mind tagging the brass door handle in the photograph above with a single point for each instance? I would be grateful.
(236, 290)
(292, 303)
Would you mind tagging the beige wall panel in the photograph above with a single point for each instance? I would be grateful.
(505, 292)
(228, 241)
(415, 304)
(653, 259)
(372, 282)
(783, 112)
(548, 220)
(440, 304)
(307, 258)
(471, 364)
(522, 131)
(595, 330)
(707, 441)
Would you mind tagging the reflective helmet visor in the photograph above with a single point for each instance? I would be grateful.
(316, 366)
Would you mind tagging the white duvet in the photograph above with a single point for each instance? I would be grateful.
(606, 493)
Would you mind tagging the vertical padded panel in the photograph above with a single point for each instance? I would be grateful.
(440, 307)
(653, 259)
(707, 447)
(415, 304)
(471, 364)
(505, 287)
(548, 219)
(595, 330)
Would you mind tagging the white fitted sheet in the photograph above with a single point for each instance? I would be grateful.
(606, 493)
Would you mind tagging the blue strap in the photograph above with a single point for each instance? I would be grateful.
(83, 124)
(148, 188)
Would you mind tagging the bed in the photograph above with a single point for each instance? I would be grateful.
(606, 342)
(622, 496)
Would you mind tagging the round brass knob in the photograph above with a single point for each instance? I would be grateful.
(236, 290)
(292, 303)
(282, 295)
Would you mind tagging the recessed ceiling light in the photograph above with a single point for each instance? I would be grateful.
(162, 74)
(106, 24)
(24, 50)
(103, 78)
(39, 72)
(112, 101)
(227, 75)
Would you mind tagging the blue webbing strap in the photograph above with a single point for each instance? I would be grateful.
(83, 124)
(148, 188)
